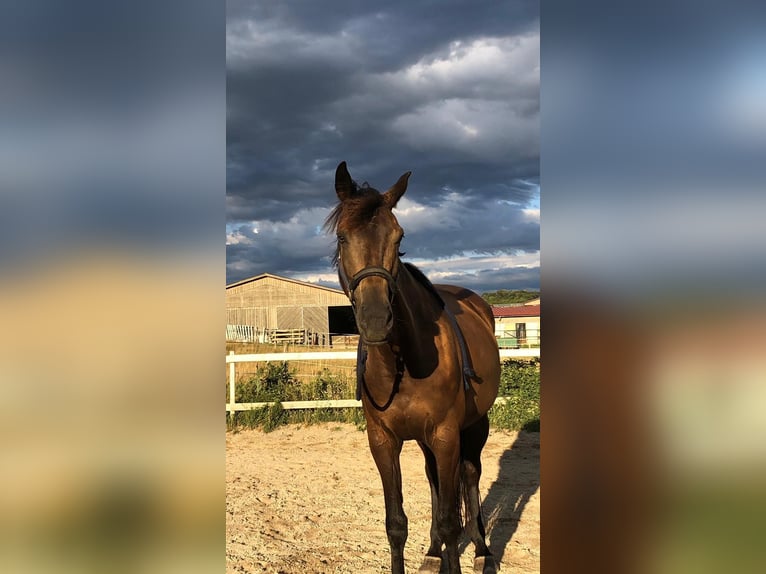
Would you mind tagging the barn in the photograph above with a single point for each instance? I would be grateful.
(270, 308)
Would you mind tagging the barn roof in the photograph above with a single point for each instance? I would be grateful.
(516, 310)
(295, 281)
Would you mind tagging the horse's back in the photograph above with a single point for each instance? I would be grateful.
(467, 299)
(474, 315)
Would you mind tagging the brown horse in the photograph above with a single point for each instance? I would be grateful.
(430, 373)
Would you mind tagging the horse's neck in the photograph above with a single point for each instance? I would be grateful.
(412, 349)
(416, 311)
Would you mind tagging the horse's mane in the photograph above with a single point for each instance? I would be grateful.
(355, 212)
(421, 278)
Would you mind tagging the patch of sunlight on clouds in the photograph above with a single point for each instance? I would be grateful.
(468, 129)
(482, 57)
(531, 215)
(407, 207)
(470, 261)
(237, 238)
(317, 277)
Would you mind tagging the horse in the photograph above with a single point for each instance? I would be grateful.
(428, 370)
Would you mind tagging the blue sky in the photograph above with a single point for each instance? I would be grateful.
(451, 94)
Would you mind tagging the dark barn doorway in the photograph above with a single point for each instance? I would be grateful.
(341, 320)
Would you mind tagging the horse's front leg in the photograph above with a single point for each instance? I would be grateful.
(446, 449)
(386, 448)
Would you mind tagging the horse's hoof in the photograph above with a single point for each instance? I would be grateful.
(484, 565)
(431, 565)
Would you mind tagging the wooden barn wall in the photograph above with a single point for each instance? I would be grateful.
(271, 292)
(316, 319)
(271, 303)
(248, 316)
(289, 318)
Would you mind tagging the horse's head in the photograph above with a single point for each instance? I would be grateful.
(368, 251)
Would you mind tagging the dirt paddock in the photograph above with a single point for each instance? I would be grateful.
(308, 499)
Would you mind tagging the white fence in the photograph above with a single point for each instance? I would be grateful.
(244, 334)
(507, 339)
(232, 359)
(252, 334)
(514, 339)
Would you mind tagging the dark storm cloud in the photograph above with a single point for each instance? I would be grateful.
(390, 36)
(451, 94)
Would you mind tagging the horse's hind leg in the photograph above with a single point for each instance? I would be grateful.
(472, 441)
(386, 449)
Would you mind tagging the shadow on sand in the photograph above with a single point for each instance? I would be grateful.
(517, 481)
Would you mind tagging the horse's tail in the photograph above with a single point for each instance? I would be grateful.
(462, 497)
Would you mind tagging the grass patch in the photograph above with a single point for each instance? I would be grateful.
(265, 418)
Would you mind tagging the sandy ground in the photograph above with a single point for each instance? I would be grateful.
(309, 500)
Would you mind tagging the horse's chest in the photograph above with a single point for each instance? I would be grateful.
(417, 409)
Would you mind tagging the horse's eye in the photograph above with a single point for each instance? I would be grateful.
(341, 238)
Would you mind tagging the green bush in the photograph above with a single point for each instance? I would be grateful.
(275, 382)
(520, 382)
(272, 382)
(328, 386)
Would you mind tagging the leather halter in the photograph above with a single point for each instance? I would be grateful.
(366, 272)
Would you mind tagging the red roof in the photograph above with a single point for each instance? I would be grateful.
(516, 311)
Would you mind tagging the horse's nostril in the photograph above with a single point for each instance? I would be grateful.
(375, 322)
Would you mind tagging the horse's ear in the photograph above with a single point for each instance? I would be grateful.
(393, 195)
(344, 185)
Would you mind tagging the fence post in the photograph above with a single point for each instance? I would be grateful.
(231, 387)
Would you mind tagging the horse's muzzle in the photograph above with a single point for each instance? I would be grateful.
(375, 323)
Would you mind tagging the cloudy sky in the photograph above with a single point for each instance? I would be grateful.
(448, 90)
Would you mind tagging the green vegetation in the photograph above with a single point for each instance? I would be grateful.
(504, 296)
(520, 382)
(276, 382)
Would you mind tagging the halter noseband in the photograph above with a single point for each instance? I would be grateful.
(366, 272)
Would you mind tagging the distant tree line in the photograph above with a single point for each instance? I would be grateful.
(505, 296)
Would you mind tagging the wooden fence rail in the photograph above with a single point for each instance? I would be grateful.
(232, 359)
